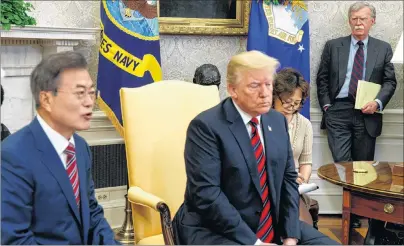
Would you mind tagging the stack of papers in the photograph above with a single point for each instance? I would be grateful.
(366, 92)
(304, 188)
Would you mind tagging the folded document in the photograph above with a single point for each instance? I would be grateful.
(366, 92)
(304, 188)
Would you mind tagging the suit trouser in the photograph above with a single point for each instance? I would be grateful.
(309, 236)
(348, 138)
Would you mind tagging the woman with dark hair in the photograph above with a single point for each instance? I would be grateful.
(290, 91)
(4, 130)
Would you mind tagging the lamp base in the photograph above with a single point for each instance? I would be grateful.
(126, 234)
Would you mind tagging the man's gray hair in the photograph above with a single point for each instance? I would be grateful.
(45, 76)
(360, 5)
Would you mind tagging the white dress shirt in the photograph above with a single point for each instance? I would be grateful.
(246, 119)
(59, 142)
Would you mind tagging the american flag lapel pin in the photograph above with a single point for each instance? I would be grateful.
(270, 128)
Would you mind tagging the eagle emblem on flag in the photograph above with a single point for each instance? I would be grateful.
(286, 20)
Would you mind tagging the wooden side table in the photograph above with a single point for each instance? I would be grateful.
(369, 190)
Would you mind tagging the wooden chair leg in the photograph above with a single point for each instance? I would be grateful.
(314, 208)
(304, 214)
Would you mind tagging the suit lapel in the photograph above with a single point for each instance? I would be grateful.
(371, 58)
(81, 161)
(239, 131)
(343, 56)
(270, 150)
(52, 161)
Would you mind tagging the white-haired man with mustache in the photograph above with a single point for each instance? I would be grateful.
(352, 133)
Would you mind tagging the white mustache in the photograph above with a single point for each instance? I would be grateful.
(359, 28)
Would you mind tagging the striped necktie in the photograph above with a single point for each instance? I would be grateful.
(265, 230)
(357, 70)
(73, 172)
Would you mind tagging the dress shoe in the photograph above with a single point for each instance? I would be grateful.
(355, 222)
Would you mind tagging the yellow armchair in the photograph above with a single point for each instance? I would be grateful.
(155, 119)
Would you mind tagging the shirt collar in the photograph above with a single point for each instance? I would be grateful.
(59, 142)
(246, 117)
(365, 41)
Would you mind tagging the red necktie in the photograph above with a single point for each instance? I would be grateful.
(265, 230)
(357, 70)
(73, 172)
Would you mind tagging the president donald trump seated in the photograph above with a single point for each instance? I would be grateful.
(241, 179)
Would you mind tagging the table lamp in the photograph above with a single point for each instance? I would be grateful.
(398, 53)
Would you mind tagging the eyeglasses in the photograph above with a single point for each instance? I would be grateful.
(290, 104)
(81, 95)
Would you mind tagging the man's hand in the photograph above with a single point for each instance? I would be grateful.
(290, 241)
(300, 179)
(370, 107)
(259, 242)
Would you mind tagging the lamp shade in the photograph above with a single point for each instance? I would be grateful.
(398, 53)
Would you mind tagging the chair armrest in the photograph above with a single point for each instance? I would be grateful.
(138, 196)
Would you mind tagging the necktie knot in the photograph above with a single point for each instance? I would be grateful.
(70, 149)
(254, 121)
(360, 43)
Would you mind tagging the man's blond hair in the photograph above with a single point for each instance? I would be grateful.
(249, 61)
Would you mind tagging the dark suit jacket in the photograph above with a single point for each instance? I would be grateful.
(222, 198)
(37, 201)
(333, 67)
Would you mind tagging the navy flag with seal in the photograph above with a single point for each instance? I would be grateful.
(280, 28)
(129, 53)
